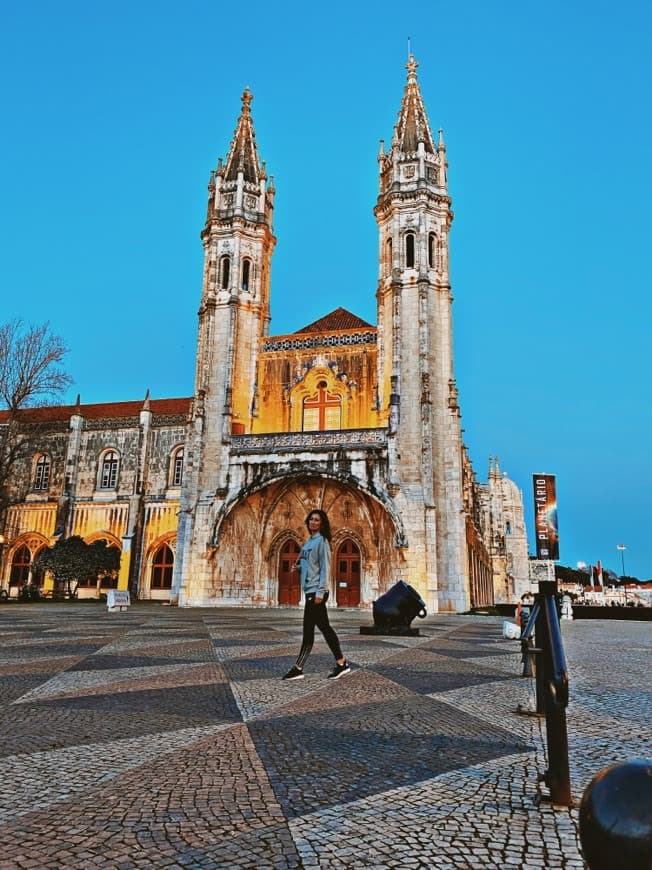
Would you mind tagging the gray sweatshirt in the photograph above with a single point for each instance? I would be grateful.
(315, 559)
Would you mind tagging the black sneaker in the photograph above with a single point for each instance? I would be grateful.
(294, 673)
(339, 670)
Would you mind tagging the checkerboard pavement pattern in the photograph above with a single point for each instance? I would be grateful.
(161, 737)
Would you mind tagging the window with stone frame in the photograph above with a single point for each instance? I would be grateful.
(225, 272)
(432, 241)
(322, 411)
(176, 467)
(109, 470)
(246, 274)
(162, 568)
(42, 473)
(409, 251)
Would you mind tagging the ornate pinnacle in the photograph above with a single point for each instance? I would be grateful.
(411, 67)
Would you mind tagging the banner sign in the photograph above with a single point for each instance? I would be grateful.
(545, 516)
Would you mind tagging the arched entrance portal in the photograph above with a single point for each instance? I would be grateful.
(347, 574)
(257, 541)
(289, 581)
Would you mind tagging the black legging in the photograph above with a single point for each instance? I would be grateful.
(317, 615)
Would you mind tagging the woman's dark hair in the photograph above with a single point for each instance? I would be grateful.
(325, 530)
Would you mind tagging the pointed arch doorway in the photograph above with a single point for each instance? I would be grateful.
(289, 581)
(347, 574)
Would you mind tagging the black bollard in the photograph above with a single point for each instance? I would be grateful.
(616, 818)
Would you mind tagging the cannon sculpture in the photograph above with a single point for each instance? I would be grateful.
(394, 611)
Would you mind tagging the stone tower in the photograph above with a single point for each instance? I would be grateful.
(415, 357)
(509, 546)
(234, 315)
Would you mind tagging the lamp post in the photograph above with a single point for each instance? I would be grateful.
(3, 541)
(622, 549)
(581, 566)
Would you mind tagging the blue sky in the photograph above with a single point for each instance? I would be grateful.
(115, 114)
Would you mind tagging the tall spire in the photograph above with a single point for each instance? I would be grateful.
(243, 155)
(412, 126)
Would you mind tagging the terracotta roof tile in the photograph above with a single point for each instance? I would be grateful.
(53, 413)
(335, 322)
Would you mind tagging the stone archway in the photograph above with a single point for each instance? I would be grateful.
(246, 551)
(20, 563)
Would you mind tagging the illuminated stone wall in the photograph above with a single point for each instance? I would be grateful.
(136, 515)
(291, 367)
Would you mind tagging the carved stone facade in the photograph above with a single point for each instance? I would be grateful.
(360, 420)
(109, 471)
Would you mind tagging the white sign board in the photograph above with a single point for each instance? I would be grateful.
(117, 599)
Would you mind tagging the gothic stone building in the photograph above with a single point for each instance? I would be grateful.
(207, 497)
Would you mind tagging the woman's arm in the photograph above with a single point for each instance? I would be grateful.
(324, 570)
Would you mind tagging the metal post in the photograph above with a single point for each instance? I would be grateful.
(555, 691)
(540, 641)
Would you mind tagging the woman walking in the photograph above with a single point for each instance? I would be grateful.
(315, 564)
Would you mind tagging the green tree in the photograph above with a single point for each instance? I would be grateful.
(571, 575)
(73, 561)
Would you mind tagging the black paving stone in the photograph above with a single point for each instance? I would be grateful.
(467, 651)
(33, 652)
(205, 703)
(318, 760)
(117, 661)
(15, 686)
(428, 679)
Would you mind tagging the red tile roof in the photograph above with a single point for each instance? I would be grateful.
(53, 413)
(336, 321)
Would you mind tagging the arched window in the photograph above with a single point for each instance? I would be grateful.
(322, 411)
(109, 467)
(20, 567)
(246, 274)
(176, 467)
(388, 256)
(162, 568)
(432, 241)
(409, 250)
(508, 528)
(42, 472)
(225, 270)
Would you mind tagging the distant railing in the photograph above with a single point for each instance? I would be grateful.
(280, 441)
(549, 660)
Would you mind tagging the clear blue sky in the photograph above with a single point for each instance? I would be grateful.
(114, 115)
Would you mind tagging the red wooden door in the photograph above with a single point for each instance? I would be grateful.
(289, 581)
(347, 574)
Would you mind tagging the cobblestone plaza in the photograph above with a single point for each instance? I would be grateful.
(164, 737)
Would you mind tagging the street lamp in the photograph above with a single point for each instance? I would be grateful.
(582, 566)
(3, 541)
(622, 549)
